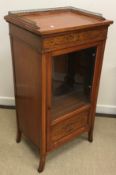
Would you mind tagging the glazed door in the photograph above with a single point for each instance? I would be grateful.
(71, 81)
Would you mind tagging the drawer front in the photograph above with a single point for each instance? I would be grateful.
(70, 125)
(74, 38)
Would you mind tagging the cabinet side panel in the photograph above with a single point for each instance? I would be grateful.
(27, 73)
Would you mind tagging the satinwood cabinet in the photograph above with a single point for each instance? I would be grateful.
(57, 58)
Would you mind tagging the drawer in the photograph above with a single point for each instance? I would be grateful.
(70, 125)
(74, 38)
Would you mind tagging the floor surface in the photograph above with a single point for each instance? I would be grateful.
(78, 157)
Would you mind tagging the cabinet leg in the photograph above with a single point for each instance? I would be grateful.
(41, 163)
(19, 134)
(90, 135)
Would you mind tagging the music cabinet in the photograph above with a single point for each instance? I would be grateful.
(57, 58)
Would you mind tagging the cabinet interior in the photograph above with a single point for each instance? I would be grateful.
(72, 76)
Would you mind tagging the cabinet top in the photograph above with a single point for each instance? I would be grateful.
(56, 20)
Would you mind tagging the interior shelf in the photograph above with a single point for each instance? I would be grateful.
(68, 103)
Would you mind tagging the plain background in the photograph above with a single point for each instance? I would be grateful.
(107, 96)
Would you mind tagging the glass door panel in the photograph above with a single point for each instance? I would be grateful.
(72, 76)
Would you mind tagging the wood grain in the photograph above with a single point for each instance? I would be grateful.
(37, 36)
